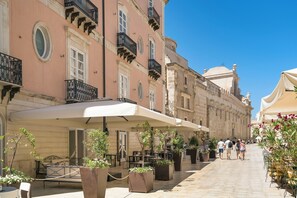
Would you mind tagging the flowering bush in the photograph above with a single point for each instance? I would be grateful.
(14, 177)
(280, 137)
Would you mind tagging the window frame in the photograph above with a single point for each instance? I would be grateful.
(76, 66)
(152, 99)
(152, 49)
(47, 52)
(123, 27)
(123, 88)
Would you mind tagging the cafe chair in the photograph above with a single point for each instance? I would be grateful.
(25, 188)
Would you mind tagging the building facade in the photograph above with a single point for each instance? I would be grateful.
(212, 99)
(67, 51)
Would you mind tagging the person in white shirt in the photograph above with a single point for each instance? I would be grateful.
(220, 146)
(228, 146)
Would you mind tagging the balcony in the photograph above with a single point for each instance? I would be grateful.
(126, 47)
(155, 69)
(85, 12)
(10, 75)
(154, 18)
(78, 91)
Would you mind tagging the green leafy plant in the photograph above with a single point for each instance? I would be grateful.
(163, 138)
(97, 144)
(178, 143)
(212, 145)
(141, 169)
(144, 137)
(193, 142)
(13, 143)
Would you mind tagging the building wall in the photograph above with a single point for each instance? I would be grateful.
(222, 111)
(44, 80)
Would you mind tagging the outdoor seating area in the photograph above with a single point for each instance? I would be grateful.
(150, 158)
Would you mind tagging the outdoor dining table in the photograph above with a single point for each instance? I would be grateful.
(9, 192)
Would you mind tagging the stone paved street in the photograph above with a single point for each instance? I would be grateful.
(220, 178)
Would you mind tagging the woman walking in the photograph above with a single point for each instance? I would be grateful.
(237, 148)
(242, 149)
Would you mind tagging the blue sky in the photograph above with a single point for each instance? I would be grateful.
(260, 36)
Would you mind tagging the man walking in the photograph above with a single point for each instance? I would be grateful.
(228, 145)
(220, 146)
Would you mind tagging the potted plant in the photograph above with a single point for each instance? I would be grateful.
(212, 147)
(164, 168)
(178, 148)
(13, 142)
(141, 179)
(95, 170)
(192, 149)
(204, 150)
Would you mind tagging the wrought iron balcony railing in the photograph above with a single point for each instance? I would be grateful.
(10, 69)
(10, 75)
(85, 11)
(155, 69)
(154, 18)
(78, 91)
(126, 47)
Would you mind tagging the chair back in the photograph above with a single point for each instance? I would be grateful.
(25, 187)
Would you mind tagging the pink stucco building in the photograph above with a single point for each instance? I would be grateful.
(55, 52)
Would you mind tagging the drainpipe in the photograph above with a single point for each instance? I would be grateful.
(104, 125)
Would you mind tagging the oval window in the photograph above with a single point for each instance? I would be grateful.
(42, 42)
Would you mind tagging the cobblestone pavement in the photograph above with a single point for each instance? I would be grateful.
(220, 178)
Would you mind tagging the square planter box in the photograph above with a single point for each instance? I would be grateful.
(164, 172)
(141, 182)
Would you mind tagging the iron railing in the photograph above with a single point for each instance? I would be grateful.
(78, 91)
(125, 41)
(153, 16)
(155, 69)
(86, 6)
(10, 69)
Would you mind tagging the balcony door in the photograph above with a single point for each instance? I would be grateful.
(152, 50)
(76, 146)
(124, 86)
(152, 98)
(122, 145)
(122, 22)
(77, 65)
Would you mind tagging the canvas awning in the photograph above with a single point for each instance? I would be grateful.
(89, 115)
(282, 99)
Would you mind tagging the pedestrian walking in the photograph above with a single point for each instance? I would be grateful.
(237, 148)
(242, 149)
(220, 147)
(228, 146)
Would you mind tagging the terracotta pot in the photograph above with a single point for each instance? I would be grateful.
(164, 172)
(141, 182)
(205, 157)
(94, 182)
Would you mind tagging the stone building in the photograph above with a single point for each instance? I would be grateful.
(212, 99)
(59, 52)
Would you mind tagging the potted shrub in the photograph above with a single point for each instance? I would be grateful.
(178, 148)
(141, 179)
(95, 170)
(14, 141)
(204, 150)
(192, 149)
(212, 148)
(164, 168)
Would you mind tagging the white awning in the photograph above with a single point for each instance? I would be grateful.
(89, 114)
(283, 98)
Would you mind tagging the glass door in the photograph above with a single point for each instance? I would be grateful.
(122, 145)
